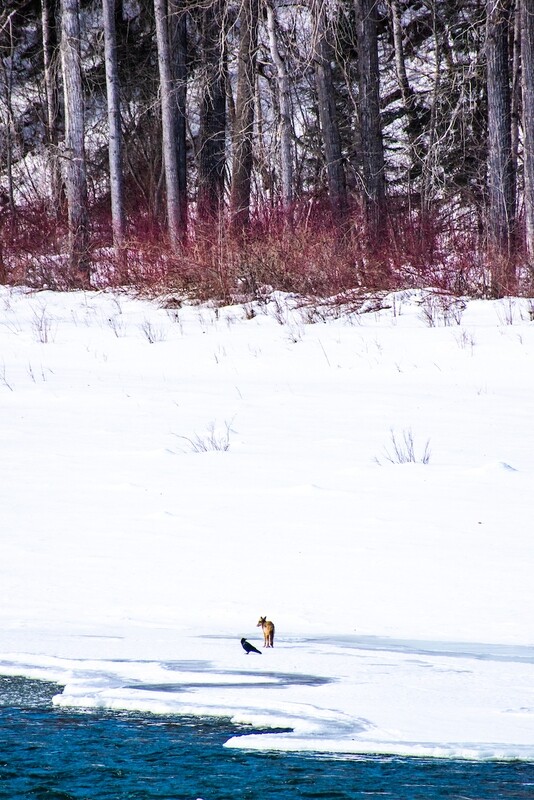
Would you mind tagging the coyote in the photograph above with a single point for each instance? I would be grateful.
(268, 631)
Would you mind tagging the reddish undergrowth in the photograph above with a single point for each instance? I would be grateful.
(307, 252)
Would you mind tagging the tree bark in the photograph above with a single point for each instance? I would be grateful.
(430, 159)
(527, 62)
(515, 91)
(6, 66)
(244, 116)
(284, 101)
(118, 217)
(328, 120)
(501, 199)
(212, 138)
(370, 124)
(168, 125)
(178, 38)
(408, 95)
(49, 9)
(74, 146)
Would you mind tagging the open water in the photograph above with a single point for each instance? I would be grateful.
(57, 754)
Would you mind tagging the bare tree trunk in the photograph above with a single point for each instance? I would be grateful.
(212, 150)
(408, 95)
(284, 100)
(430, 159)
(6, 65)
(168, 124)
(49, 10)
(335, 171)
(74, 149)
(515, 90)
(118, 217)
(178, 38)
(370, 124)
(501, 200)
(527, 62)
(400, 66)
(244, 115)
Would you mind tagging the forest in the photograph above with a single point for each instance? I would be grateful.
(226, 148)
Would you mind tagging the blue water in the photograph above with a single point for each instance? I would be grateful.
(57, 754)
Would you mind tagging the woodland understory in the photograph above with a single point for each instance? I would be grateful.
(225, 149)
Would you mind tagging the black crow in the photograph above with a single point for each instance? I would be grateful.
(249, 648)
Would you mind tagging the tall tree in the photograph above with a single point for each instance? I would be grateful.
(49, 11)
(212, 134)
(243, 134)
(409, 97)
(284, 102)
(116, 180)
(169, 117)
(527, 59)
(74, 146)
(7, 57)
(370, 124)
(328, 116)
(178, 39)
(501, 199)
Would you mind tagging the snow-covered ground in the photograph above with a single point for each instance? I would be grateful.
(168, 476)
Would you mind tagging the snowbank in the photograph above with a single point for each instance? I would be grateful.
(170, 476)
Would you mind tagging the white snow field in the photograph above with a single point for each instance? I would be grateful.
(168, 476)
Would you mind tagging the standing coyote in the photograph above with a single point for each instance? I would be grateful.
(268, 631)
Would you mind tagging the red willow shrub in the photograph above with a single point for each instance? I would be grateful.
(305, 251)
